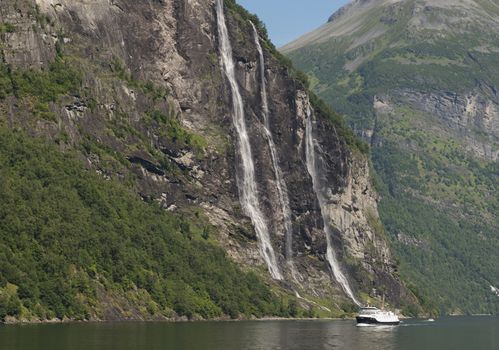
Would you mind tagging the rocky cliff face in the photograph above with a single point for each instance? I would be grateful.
(464, 114)
(144, 63)
(418, 80)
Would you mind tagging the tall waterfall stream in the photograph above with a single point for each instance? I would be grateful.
(319, 189)
(280, 183)
(248, 191)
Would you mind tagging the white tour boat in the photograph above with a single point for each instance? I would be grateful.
(373, 315)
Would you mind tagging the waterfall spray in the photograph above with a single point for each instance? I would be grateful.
(248, 191)
(319, 189)
(281, 185)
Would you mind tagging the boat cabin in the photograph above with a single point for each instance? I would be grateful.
(368, 310)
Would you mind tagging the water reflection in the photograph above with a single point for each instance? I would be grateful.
(270, 335)
(301, 335)
(375, 338)
(455, 334)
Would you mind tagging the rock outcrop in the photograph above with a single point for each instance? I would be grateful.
(418, 80)
(147, 60)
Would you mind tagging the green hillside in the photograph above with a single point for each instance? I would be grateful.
(74, 245)
(419, 80)
(119, 187)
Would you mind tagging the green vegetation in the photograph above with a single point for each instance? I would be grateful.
(5, 81)
(7, 28)
(148, 88)
(439, 201)
(341, 128)
(41, 87)
(244, 17)
(452, 252)
(60, 79)
(42, 19)
(76, 241)
(68, 237)
(174, 131)
(300, 78)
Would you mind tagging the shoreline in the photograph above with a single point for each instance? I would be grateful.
(15, 322)
(179, 320)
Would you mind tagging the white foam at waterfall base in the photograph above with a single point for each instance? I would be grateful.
(280, 183)
(247, 184)
(319, 189)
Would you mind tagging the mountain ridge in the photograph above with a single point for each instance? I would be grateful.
(136, 92)
(350, 18)
(418, 80)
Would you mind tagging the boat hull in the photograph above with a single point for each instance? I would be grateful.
(371, 320)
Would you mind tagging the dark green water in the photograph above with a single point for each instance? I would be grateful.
(467, 333)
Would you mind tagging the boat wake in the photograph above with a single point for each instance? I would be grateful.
(419, 324)
(376, 327)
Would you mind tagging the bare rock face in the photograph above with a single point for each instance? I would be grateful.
(418, 79)
(172, 45)
(464, 114)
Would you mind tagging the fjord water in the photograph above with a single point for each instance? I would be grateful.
(457, 333)
(246, 180)
(319, 189)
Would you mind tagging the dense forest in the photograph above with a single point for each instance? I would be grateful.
(118, 168)
(426, 100)
(69, 236)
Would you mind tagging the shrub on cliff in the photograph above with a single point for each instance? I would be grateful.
(68, 237)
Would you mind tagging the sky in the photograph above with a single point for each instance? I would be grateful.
(288, 19)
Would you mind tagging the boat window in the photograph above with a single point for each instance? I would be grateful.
(368, 311)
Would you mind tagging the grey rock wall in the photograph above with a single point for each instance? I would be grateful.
(173, 44)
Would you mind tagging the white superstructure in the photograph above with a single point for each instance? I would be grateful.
(373, 315)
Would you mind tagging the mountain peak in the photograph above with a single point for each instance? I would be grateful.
(355, 5)
(366, 20)
(418, 79)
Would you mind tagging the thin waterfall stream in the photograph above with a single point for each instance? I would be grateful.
(280, 183)
(248, 190)
(319, 188)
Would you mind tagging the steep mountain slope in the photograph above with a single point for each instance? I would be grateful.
(419, 80)
(188, 107)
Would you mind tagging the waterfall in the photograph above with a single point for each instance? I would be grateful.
(248, 192)
(319, 189)
(281, 185)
